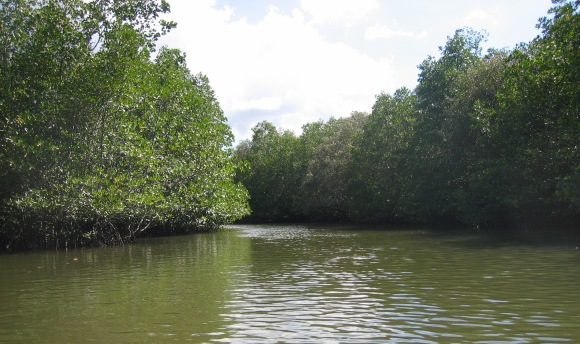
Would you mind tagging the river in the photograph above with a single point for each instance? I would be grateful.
(297, 284)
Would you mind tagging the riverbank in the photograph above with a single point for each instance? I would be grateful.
(295, 283)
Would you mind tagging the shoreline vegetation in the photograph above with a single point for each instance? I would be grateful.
(101, 143)
(485, 140)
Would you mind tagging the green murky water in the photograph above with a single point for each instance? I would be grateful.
(277, 284)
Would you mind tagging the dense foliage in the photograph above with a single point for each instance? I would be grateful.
(299, 178)
(484, 139)
(100, 143)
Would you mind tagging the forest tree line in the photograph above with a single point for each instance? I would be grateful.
(102, 138)
(486, 139)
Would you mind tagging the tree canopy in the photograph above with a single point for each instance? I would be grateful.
(484, 139)
(103, 138)
(100, 142)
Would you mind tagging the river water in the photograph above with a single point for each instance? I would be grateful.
(297, 284)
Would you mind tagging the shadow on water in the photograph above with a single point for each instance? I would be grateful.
(564, 238)
(472, 237)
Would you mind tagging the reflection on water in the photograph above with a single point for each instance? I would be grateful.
(296, 284)
(155, 290)
(406, 286)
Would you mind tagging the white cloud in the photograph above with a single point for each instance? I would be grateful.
(280, 68)
(344, 12)
(295, 65)
(480, 18)
(378, 31)
(263, 103)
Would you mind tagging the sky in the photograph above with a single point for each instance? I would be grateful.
(291, 62)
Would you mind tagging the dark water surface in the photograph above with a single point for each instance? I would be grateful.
(277, 284)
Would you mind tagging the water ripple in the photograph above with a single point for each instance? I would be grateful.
(374, 293)
(294, 284)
